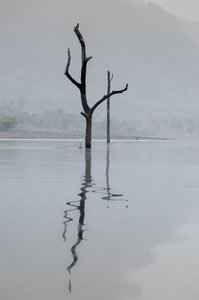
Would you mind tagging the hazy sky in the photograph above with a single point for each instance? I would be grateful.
(185, 8)
(144, 47)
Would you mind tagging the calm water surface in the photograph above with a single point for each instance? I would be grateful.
(116, 223)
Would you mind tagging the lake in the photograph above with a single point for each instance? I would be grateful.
(114, 223)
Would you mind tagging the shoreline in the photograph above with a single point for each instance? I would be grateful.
(49, 135)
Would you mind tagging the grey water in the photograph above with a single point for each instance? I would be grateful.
(118, 222)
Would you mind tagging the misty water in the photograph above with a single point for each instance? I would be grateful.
(118, 222)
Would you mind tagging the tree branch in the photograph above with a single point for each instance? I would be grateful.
(81, 40)
(84, 58)
(83, 114)
(83, 46)
(108, 96)
(67, 71)
(111, 77)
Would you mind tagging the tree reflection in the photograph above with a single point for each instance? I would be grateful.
(80, 205)
(87, 182)
(107, 190)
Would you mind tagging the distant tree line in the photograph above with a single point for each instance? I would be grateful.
(7, 122)
(176, 125)
(14, 116)
(61, 122)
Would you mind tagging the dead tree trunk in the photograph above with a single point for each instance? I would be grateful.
(88, 136)
(88, 111)
(109, 79)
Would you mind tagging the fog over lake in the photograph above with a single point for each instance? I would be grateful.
(118, 222)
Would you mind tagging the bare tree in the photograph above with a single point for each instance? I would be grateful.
(88, 111)
(109, 79)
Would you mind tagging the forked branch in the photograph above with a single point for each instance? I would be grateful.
(108, 96)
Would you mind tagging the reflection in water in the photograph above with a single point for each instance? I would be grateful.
(107, 190)
(81, 207)
(80, 204)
